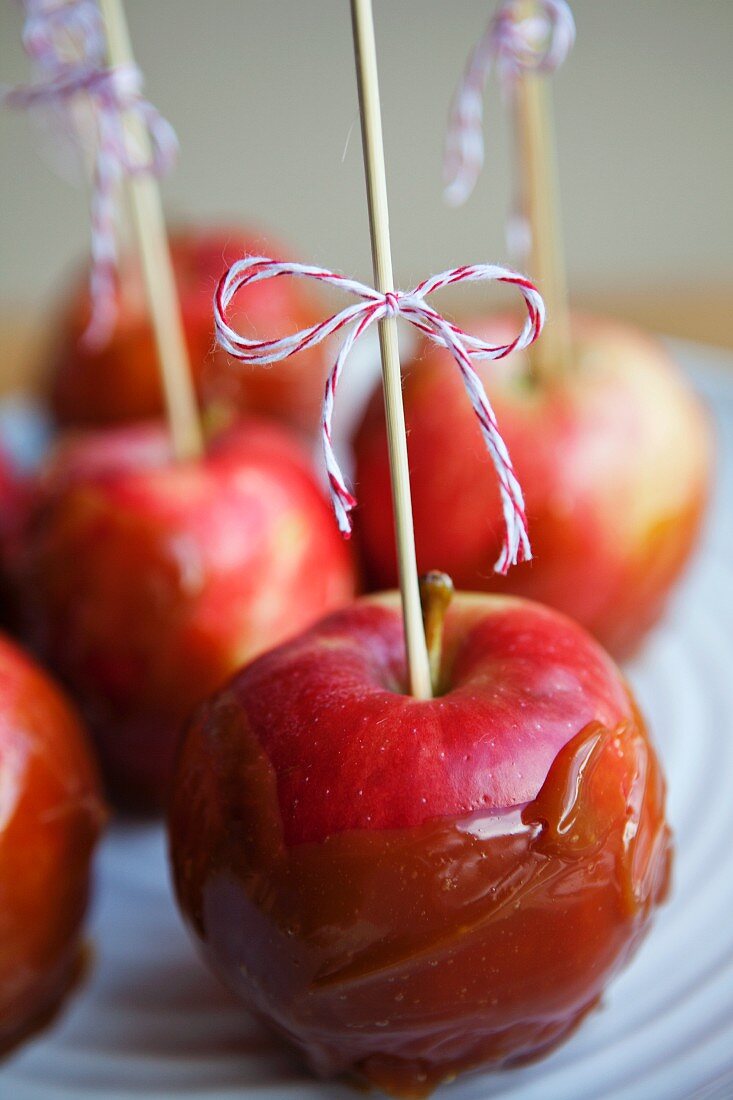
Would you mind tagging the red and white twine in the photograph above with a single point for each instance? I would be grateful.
(512, 45)
(373, 306)
(58, 30)
(67, 44)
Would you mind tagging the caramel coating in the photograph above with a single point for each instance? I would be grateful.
(51, 814)
(408, 955)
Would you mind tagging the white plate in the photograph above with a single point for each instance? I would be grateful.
(152, 1023)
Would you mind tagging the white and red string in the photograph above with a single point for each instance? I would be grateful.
(66, 42)
(355, 319)
(511, 45)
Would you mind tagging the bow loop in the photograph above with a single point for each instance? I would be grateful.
(57, 32)
(66, 42)
(514, 45)
(537, 44)
(372, 306)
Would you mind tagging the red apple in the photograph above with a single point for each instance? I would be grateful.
(614, 459)
(147, 582)
(119, 382)
(405, 889)
(51, 814)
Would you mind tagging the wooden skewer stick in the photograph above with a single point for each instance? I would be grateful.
(549, 356)
(376, 184)
(160, 285)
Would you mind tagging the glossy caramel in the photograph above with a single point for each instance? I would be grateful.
(51, 815)
(407, 955)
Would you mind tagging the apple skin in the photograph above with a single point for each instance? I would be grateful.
(406, 889)
(119, 382)
(614, 460)
(52, 814)
(146, 582)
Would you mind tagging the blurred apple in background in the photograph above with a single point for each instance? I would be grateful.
(120, 381)
(406, 888)
(614, 457)
(146, 582)
(51, 814)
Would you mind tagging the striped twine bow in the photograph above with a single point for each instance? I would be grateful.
(57, 31)
(513, 46)
(67, 44)
(373, 306)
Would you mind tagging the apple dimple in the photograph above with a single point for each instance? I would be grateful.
(350, 750)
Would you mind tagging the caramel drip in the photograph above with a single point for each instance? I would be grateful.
(409, 955)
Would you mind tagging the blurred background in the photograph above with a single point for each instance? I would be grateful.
(262, 95)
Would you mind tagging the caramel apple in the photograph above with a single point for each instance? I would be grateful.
(119, 382)
(613, 456)
(51, 814)
(146, 581)
(407, 889)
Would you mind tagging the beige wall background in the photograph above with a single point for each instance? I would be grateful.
(263, 97)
